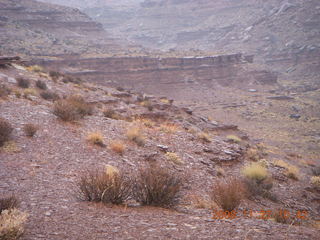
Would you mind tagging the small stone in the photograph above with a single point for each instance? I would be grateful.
(47, 213)
(163, 148)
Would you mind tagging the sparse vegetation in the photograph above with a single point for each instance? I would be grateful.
(281, 216)
(95, 138)
(117, 146)
(5, 131)
(255, 171)
(173, 157)
(23, 82)
(41, 85)
(228, 193)
(101, 186)
(48, 95)
(30, 129)
(158, 187)
(12, 224)
(135, 134)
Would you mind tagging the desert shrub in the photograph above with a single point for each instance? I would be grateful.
(23, 82)
(12, 224)
(71, 79)
(255, 171)
(5, 131)
(72, 108)
(65, 111)
(8, 203)
(315, 181)
(95, 138)
(101, 186)
(4, 91)
(48, 95)
(117, 146)
(134, 134)
(157, 186)
(228, 193)
(41, 85)
(30, 129)
(29, 92)
(81, 105)
(260, 188)
(173, 157)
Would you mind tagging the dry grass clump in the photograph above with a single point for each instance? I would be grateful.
(234, 139)
(8, 203)
(30, 129)
(12, 224)
(10, 147)
(23, 82)
(134, 134)
(48, 95)
(255, 171)
(41, 85)
(169, 128)
(29, 92)
(291, 171)
(118, 147)
(72, 108)
(253, 154)
(5, 131)
(157, 186)
(35, 68)
(201, 202)
(173, 157)
(315, 181)
(228, 193)
(110, 113)
(101, 186)
(205, 137)
(95, 138)
(220, 171)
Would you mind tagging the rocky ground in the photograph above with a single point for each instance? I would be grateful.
(42, 171)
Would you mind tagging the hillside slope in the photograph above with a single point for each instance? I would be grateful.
(43, 170)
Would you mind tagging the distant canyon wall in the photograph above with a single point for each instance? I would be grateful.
(164, 75)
